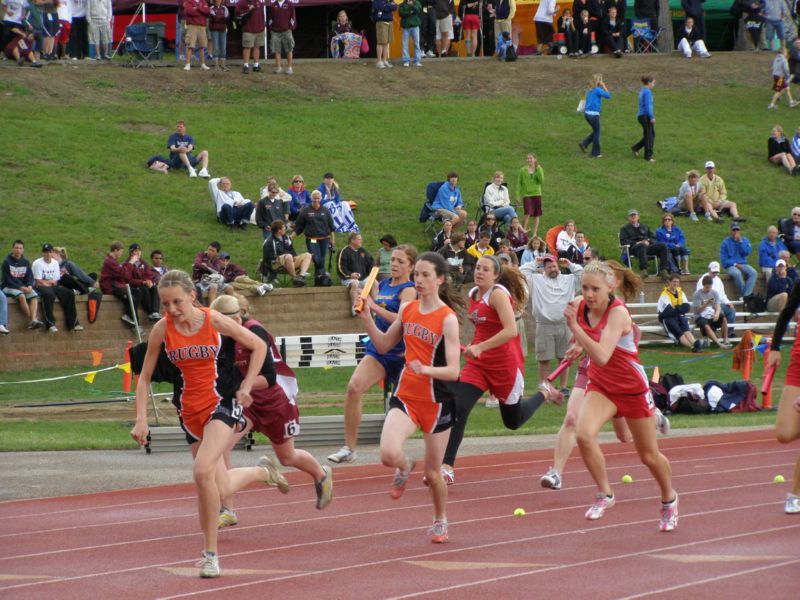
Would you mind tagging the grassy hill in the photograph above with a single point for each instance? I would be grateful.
(80, 135)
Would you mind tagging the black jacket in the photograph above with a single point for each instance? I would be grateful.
(629, 235)
(354, 261)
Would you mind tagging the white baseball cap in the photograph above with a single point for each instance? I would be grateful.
(713, 267)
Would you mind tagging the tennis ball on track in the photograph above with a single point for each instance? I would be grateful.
(627, 478)
(779, 479)
(519, 512)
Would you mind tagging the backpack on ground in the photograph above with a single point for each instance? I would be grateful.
(670, 380)
(511, 54)
(755, 303)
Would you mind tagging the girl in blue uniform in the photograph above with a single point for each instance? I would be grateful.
(375, 366)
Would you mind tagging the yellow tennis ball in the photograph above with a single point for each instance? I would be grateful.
(627, 479)
(519, 512)
(779, 479)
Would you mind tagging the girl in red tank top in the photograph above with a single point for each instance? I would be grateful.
(423, 398)
(494, 360)
(208, 416)
(602, 326)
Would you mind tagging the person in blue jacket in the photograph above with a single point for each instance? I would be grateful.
(733, 253)
(647, 119)
(591, 112)
(769, 251)
(672, 237)
(448, 203)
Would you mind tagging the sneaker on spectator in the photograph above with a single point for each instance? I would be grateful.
(209, 565)
(226, 518)
(35, 324)
(343, 455)
(417, 64)
(128, 320)
(245, 70)
(601, 504)
(264, 288)
(792, 505)
(324, 488)
(438, 532)
(256, 68)
(387, 64)
(380, 64)
(188, 67)
(274, 476)
(52, 329)
(4, 330)
(78, 327)
(551, 480)
(669, 515)
(192, 172)
(154, 316)
(693, 217)
(405, 64)
(708, 217)
(289, 71)
(430, 54)
(401, 479)
(279, 70)
(205, 67)
(204, 173)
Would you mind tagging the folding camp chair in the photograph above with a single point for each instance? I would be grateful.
(645, 38)
(138, 48)
(625, 257)
(426, 214)
(482, 209)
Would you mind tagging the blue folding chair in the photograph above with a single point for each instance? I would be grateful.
(645, 38)
(426, 213)
(138, 47)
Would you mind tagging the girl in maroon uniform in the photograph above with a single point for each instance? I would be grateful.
(618, 386)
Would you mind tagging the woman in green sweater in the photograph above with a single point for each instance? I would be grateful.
(529, 189)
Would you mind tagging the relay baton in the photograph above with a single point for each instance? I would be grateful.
(768, 376)
(565, 364)
(365, 292)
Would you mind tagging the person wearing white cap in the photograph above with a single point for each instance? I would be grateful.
(714, 187)
(719, 287)
(778, 287)
(733, 253)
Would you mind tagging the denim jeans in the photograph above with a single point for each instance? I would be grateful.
(745, 278)
(319, 252)
(230, 215)
(414, 33)
(219, 40)
(506, 213)
(774, 28)
(594, 137)
(3, 309)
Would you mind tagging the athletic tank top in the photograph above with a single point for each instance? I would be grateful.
(284, 375)
(196, 357)
(424, 338)
(388, 297)
(622, 374)
(487, 324)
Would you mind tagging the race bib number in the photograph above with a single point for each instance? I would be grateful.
(649, 399)
(291, 428)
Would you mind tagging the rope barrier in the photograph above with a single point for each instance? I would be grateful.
(125, 366)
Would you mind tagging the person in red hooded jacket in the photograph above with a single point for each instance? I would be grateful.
(195, 14)
(252, 15)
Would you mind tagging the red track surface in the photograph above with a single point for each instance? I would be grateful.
(733, 539)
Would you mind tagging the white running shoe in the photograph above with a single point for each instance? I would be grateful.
(204, 173)
(551, 479)
(401, 479)
(226, 518)
(205, 67)
(324, 488)
(792, 506)
(289, 71)
(343, 455)
(438, 532)
(274, 476)
(192, 172)
(209, 565)
(598, 509)
(669, 515)
(188, 67)
(492, 402)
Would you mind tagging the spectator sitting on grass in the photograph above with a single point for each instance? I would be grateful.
(454, 253)
(236, 277)
(448, 203)
(490, 226)
(157, 265)
(692, 196)
(278, 252)
(769, 251)
(690, 38)
(517, 238)
(143, 282)
(46, 275)
(282, 194)
(504, 249)
(206, 276)
(21, 47)
(779, 152)
(72, 276)
(778, 287)
(794, 145)
(354, 264)
(482, 248)
(708, 314)
(672, 308)
(790, 230)
(535, 253)
(343, 219)
(471, 235)
(18, 282)
(269, 209)
(717, 194)
(300, 197)
(181, 147)
(233, 209)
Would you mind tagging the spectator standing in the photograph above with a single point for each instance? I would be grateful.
(218, 26)
(692, 196)
(780, 78)
(543, 21)
(529, 191)
(591, 112)
(79, 34)
(279, 253)
(251, 15)
(779, 285)
(733, 253)
(496, 199)
(181, 147)
(410, 18)
(46, 275)
(384, 35)
(282, 22)
(503, 12)
(708, 314)
(469, 13)
(672, 237)
(65, 26)
(18, 283)
(672, 309)
(719, 287)
(448, 203)
(774, 13)
(647, 119)
(99, 14)
(641, 244)
(647, 9)
(689, 39)
(769, 251)
(614, 32)
(428, 36)
(157, 265)
(717, 194)
(270, 209)
(779, 152)
(233, 209)
(694, 9)
(445, 13)
(316, 223)
(195, 13)
(353, 265)
(236, 277)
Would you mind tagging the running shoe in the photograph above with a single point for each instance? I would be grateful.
(438, 532)
(792, 506)
(448, 476)
(209, 565)
(492, 402)
(550, 393)
(601, 504)
(662, 423)
(227, 518)
(551, 479)
(324, 488)
(401, 479)
(669, 515)
(274, 476)
(343, 455)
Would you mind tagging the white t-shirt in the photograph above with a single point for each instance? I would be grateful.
(46, 271)
(14, 10)
(65, 10)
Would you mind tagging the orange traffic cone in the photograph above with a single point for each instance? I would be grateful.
(126, 374)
